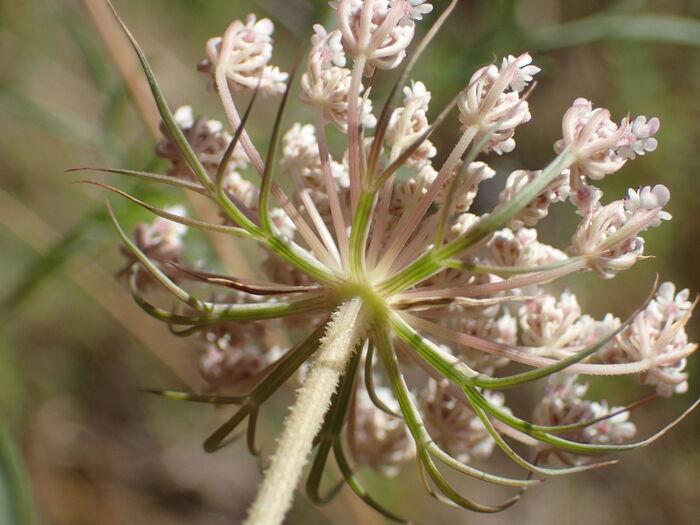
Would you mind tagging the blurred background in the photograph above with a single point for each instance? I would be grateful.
(78, 437)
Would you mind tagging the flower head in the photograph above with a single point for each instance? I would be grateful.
(493, 105)
(382, 263)
(243, 54)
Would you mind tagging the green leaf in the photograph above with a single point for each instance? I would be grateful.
(165, 113)
(45, 267)
(69, 128)
(657, 28)
(16, 500)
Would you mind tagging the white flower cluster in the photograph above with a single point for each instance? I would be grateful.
(530, 215)
(326, 84)
(493, 102)
(563, 404)
(608, 235)
(381, 36)
(243, 54)
(407, 124)
(657, 336)
(600, 145)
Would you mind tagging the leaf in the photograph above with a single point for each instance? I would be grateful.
(45, 267)
(152, 177)
(266, 184)
(657, 28)
(69, 128)
(16, 500)
(166, 114)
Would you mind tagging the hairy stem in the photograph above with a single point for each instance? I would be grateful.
(306, 416)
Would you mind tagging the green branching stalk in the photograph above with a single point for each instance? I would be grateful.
(434, 261)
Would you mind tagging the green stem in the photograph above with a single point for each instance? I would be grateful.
(304, 422)
(435, 260)
(360, 230)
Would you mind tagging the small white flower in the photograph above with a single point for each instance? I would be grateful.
(282, 222)
(246, 64)
(328, 45)
(640, 139)
(523, 71)
(390, 31)
(530, 215)
(648, 198)
(184, 117)
(492, 103)
(418, 8)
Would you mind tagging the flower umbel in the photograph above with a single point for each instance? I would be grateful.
(386, 271)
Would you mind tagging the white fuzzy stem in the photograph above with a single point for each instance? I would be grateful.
(306, 416)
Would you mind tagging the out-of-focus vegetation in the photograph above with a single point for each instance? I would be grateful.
(74, 351)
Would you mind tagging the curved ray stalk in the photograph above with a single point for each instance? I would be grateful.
(332, 257)
(151, 177)
(284, 368)
(380, 221)
(330, 434)
(543, 276)
(369, 383)
(265, 184)
(541, 432)
(250, 286)
(522, 355)
(411, 218)
(411, 415)
(226, 97)
(338, 219)
(228, 311)
(357, 487)
(457, 392)
(526, 464)
(434, 261)
(186, 221)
